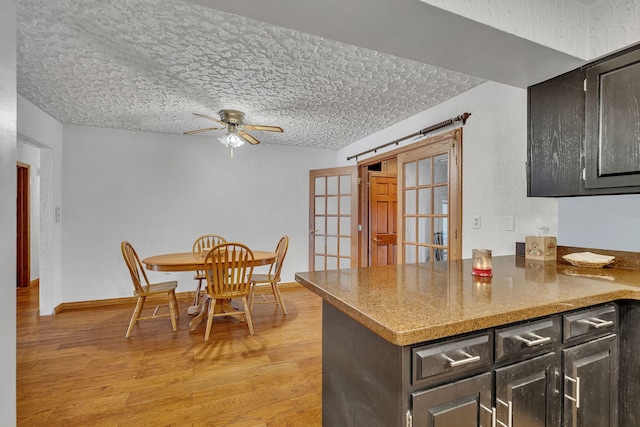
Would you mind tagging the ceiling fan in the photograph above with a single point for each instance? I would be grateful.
(233, 121)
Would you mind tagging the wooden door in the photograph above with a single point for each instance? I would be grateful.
(333, 206)
(22, 233)
(383, 210)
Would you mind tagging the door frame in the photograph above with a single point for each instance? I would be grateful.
(23, 225)
(454, 139)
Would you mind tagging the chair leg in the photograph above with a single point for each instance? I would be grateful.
(135, 315)
(212, 305)
(173, 309)
(251, 295)
(174, 300)
(278, 296)
(247, 314)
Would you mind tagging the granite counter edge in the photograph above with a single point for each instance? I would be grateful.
(439, 331)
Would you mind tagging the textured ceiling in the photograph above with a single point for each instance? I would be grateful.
(146, 65)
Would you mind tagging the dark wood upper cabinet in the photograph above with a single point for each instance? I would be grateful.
(612, 126)
(555, 137)
(584, 130)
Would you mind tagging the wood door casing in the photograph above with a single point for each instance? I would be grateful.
(23, 255)
(383, 196)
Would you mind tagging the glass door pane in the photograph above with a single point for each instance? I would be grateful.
(425, 209)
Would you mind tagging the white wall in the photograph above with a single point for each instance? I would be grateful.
(494, 152)
(561, 25)
(613, 24)
(600, 222)
(30, 155)
(161, 192)
(8, 212)
(45, 132)
(567, 26)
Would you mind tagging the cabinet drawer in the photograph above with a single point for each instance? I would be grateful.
(451, 357)
(527, 338)
(591, 322)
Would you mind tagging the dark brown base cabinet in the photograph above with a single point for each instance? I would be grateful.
(560, 370)
(525, 394)
(591, 386)
(465, 403)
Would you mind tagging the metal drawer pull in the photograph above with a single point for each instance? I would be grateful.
(537, 341)
(469, 359)
(597, 323)
(577, 390)
(509, 405)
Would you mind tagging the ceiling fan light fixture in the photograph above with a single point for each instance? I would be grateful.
(232, 139)
(234, 120)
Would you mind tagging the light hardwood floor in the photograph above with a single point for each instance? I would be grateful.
(77, 368)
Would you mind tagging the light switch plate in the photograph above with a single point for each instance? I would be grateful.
(509, 223)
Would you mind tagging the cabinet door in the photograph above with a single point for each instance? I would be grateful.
(612, 126)
(527, 393)
(590, 384)
(555, 136)
(464, 403)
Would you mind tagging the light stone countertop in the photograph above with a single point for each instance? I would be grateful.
(412, 303)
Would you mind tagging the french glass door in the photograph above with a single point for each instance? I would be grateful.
(430, 223)
(333, 201)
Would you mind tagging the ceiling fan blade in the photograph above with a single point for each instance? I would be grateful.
(220, 122)
(250, 139)
(191, 132)
(261, 127)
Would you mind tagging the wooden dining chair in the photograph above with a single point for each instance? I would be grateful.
(228, 268)
(143, 289)
(201, 247)
(272, 277)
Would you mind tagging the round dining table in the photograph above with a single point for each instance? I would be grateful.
(188, 261)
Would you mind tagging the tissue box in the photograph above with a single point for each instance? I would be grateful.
(542, 248)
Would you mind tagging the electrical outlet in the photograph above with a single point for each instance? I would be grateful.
(476, 222)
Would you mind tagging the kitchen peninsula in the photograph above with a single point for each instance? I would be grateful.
(402, 343)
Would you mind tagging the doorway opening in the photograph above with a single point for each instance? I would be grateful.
(23, 235)
(410, 206)
(403, 206)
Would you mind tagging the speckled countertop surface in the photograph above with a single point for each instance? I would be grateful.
(409, 304)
